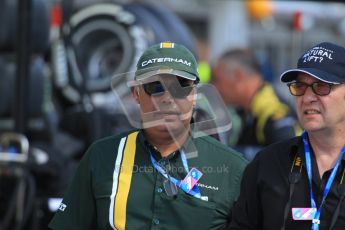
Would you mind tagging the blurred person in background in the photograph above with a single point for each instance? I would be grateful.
(299, 183)
(259, 116)
(147, 178)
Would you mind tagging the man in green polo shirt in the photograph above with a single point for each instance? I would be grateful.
(157, 177)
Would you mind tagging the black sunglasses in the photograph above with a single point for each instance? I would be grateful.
(180, 89)
(319, 88)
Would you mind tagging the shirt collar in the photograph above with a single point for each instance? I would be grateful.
(297, 147)
(151, 149)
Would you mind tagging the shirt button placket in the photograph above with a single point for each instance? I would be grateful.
(157, 203)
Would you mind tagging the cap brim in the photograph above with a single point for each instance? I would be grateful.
(291, 75)
(147, 73)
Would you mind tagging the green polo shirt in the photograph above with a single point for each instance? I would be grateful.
(117, 187)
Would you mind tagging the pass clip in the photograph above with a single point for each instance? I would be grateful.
(316, 221)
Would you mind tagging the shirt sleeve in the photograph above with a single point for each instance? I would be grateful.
(77, 209)
(245, 211)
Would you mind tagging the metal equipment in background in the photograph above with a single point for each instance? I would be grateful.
(97, 42)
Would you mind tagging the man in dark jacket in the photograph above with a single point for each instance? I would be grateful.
(299, 183)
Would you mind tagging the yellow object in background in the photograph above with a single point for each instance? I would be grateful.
(259, 9)
(204, 72)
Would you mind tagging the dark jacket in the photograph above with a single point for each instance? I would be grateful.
(266, 186)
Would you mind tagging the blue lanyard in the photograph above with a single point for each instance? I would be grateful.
(195, 192)
(316, 219)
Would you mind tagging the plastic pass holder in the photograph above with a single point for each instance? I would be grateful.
(303, 214)
(191, 179)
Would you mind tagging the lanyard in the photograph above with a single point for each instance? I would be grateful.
(195, 192)
(316, 219)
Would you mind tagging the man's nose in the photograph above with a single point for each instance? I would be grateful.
(309, 94)
(166, 97)
(162, 101)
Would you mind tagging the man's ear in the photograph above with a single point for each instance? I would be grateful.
(136, 94)
(194, 97)
(239, 72)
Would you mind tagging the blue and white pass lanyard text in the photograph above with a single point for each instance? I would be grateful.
(195, 190)
(316, 219)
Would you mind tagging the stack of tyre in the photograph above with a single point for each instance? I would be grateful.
(98, 42)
